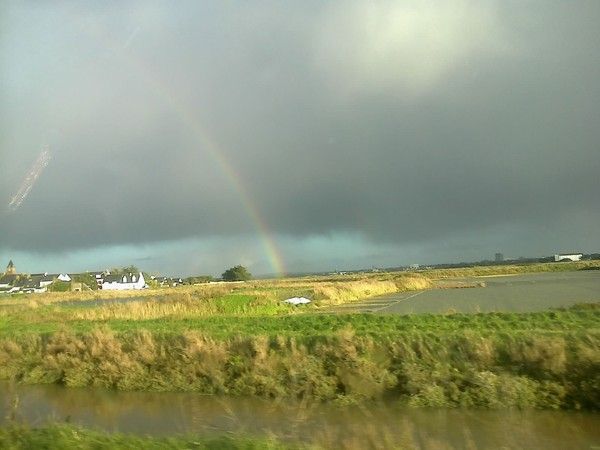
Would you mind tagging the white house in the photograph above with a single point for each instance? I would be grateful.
(31, 285)
(568, 257)
(6, 281)
(123, 282)
(167, 281)
(46, 280)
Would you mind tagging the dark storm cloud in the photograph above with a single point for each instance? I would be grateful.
(401, 122)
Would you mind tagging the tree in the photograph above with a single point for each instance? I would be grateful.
(237, 273)
(125, 270)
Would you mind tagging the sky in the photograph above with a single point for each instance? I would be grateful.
(188, 137)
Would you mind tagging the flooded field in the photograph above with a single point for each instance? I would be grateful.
(372, 425)
(513, 293)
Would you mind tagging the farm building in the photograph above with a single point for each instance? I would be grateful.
(572, 256)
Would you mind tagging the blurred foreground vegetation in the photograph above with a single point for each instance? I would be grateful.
(60, 436)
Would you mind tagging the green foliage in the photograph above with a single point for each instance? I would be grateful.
(60, 286)
(199, 279)
(86, 278)
(237, 273)
(125, 270)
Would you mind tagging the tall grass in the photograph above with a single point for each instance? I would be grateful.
(489, 369)
(334, 293)
(255, 298)
(183, 305)
(47, 298)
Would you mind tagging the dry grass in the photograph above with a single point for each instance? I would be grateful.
(184, 305)
(343, 292)
(250, 298)
(48, 298)
(335, 293)
(421, 369)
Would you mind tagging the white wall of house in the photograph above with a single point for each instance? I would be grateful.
(64, 277)
(568, 257)
(140, 283)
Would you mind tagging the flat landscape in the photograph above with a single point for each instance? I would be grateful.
(506, 293)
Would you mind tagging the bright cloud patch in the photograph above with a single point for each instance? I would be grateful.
(406, 46)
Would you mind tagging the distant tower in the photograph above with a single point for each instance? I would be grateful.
(10, 269)
(498, 257)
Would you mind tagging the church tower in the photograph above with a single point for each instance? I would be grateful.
(10, 269)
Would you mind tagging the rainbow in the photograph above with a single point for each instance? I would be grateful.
(235, 180)
(194, 124)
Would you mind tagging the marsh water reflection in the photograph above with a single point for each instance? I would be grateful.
(371, 425)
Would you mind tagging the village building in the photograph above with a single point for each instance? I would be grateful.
(34, 285)
(48, 279)
(99, 277)
(9, 277)
(169, 281)
(571, 256)
(10, 269)
(123, 282)
(7, 281)
(12, 282)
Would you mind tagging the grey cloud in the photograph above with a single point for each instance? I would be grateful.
(335, 118)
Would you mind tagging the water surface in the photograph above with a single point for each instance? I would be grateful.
(511, 293)
(371, 425)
